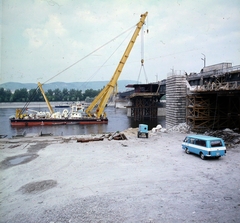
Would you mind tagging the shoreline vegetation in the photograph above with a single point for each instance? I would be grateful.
(35, 95)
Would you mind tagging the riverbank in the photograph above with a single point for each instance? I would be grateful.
(57, 179)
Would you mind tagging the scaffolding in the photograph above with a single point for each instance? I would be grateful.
(216, 110)
(144, 107)
(145, 100)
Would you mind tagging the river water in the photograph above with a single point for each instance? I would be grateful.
(117, 121)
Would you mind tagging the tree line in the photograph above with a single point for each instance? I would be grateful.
(24, 95)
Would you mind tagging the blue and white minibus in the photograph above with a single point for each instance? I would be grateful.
(204, 146)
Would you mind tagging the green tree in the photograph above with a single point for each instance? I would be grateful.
(52, 95)
(57, 95)
(35, 95)
(90, 93)
(32, 95)
(49, 95)
(79, 95)
(20, 95)
(2, 94)
(39, 96)
(5, 95)
(65, 95)
(8, 95)
(72, 95)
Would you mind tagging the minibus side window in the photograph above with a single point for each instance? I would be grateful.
(200, 142)
(191, 141)
(203, 143)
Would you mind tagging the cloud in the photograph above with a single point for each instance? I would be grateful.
(35, 37)
(56, 26)
(42, 38)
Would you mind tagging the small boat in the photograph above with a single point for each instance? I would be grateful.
(67, 104)
(62, 106)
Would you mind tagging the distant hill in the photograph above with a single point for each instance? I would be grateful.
(95, 85)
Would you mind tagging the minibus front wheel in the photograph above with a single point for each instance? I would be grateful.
(187, 151)
(202, 156)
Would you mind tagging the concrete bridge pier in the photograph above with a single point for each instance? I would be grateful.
(176, 92)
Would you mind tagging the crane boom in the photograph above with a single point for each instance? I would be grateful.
(101, 100)
(45, 98)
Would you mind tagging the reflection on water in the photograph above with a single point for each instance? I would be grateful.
(117, 121)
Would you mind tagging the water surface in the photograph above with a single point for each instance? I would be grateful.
(117, 121)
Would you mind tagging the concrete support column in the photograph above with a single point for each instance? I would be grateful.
(176, 92)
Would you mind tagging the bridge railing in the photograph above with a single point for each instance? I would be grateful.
(221, 71)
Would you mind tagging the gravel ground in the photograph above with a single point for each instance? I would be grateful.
(49, 179)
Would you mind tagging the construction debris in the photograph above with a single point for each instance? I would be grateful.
(120, 136)
(229, 136)
(159, 128)
(112, 135)
(45, 134)
(116, 136)
(89, 139)
(182, 127)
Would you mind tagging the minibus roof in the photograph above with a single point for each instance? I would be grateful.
(204, 137)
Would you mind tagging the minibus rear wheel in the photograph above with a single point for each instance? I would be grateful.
(202, 156)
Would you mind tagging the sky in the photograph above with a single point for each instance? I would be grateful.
(75, 40)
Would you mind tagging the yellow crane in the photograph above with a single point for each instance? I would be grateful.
(45, 98)
(101, 100)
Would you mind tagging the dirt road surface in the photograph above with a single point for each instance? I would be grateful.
(56, 179)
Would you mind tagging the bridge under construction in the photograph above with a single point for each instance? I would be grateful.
(206, 100)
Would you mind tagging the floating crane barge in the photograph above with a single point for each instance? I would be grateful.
(78, 114)
(57, 121)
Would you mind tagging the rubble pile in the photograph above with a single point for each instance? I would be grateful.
(229, 136)
(182, 127)
(111, 136)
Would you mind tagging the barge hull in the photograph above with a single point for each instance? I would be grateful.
(49, 122)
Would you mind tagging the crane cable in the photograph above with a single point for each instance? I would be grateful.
(142, 56)
(88, 55)
(109, 57)
(25, 107)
